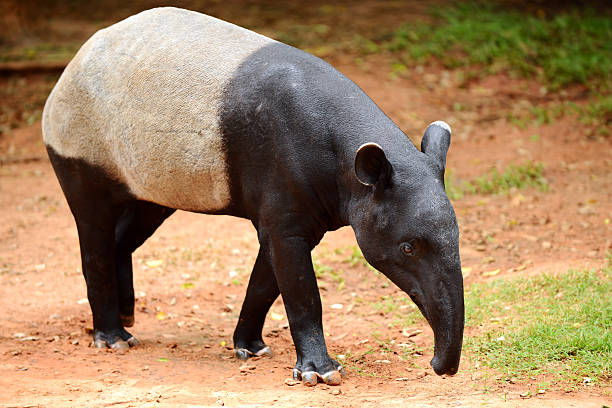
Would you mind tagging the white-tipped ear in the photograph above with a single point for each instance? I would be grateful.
(371, 165)
(436, 142)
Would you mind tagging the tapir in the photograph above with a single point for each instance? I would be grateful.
(172, 109)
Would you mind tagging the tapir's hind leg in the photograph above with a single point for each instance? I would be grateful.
(261, 293)
(137, 223)
(97, 202)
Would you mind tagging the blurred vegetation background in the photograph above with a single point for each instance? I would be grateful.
(565, 45)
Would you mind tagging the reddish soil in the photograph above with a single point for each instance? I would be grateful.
(191, 276)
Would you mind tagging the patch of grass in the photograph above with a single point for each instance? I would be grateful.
(553, 324)
(496, 182)
(597, 114)
(43, 52)
(401, 309)
(325, 272)
(570, 47)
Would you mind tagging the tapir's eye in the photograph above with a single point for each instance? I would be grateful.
(407, 249)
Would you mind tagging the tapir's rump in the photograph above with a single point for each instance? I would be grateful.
(141, 99)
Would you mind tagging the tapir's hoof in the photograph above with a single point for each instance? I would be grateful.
(133, 342)
(127, 321)
(311, 378)
(115, 342)
(244, 354)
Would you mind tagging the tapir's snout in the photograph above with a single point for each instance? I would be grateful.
(441, 302)
(442, 365)
(446, 316)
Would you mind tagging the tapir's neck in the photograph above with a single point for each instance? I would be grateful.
(361, 121)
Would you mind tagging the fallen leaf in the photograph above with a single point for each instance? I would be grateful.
(154, 263)
(30, 338)
(491, 273)
(187, 285)
(276, 316)
(160, 316)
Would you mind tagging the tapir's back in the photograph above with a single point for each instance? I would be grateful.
(141, 99)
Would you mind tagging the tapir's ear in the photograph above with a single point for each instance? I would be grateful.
(371, 165)
(436, 141)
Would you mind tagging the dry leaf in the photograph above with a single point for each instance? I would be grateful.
(491, 273)
(154, 263)
(276, 316)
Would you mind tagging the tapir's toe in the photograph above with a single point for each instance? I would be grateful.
(244, 354)
(117, 340)
(310, 378)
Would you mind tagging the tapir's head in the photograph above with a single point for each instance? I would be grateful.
(406, 228)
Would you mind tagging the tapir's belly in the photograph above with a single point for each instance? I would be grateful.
(141, 99)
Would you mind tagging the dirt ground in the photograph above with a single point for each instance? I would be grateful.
(191, 276)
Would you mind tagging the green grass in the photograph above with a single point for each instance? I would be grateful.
(43, 52)
(597, 114)
(558, 325)
(570, 47)
(327, 273)
(496, 182)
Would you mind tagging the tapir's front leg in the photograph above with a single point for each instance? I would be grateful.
(298, 286)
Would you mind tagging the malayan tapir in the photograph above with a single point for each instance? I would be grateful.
(172, 109)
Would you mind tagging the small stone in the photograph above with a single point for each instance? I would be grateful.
(421, 374)
(336, 392)
(291, 382)
(546, 245)
(411, 333)
(246, 368)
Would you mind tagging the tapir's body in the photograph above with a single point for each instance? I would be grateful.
(172, 109)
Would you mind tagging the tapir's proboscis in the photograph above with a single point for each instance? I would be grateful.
(172, 109)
